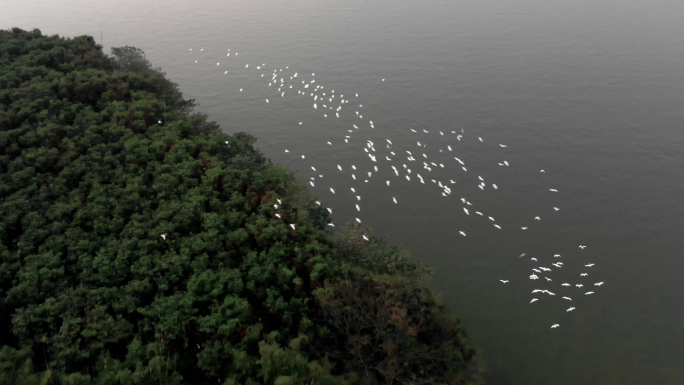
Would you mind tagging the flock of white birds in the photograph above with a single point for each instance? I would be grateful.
(383, 160)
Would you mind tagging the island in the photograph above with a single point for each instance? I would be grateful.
(140, 244)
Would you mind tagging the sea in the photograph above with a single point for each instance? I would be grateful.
(460, 105)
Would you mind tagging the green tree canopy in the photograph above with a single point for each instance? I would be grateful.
(140, 244)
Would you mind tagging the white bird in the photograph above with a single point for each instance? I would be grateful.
(590, 265)
(502, 145)
(357, 220)
(278, 216)
(598, 284)
(497, 226)
(554, 326)
(570, 309)
(358, 208)
(466, 211)
(479, 138)
(332, 190)
(537, 291)
(537, 218)
(524, 228)
(583, 275)
(163, 236)
(565, 284)
(534, 299)
(339, 167)
(567, 298)
(462, 233)
(504, 281)
(556, 209)
(582, 247)
(579, 285)
(553, 190)
(534, 276)
(292, 225)
(556, 255)
(542, 171)
(394, 200)
(365, 238)
(589, 292)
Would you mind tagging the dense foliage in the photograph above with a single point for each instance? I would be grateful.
(140, 244)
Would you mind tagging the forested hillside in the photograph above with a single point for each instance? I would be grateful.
(141, 245)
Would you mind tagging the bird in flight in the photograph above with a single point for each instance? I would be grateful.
(503, 280)
(570, 309)
(554, 326)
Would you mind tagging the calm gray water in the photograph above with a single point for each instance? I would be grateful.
(589, 91)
